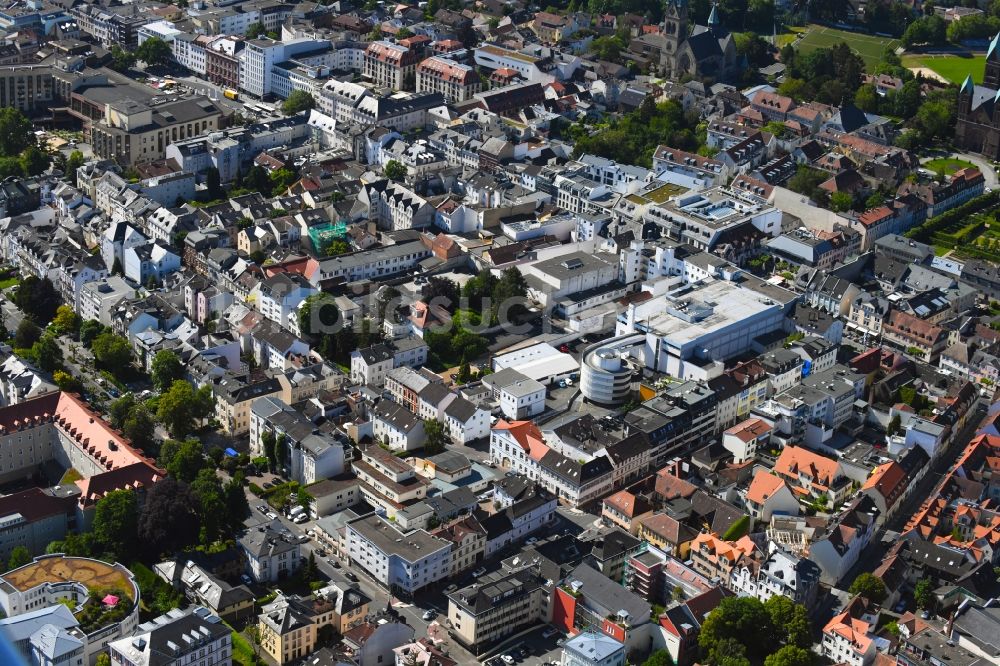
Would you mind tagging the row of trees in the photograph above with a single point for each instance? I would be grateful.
(176, 515)
(154, 52)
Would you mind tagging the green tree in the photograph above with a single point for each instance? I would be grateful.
(33, 161)
(116, 521)
(66, 321)
(19, 556)
(154, 52)
(267, 444)
(659, 658)
(121, 60)
(280, 179)
(113, 352)
(183, 460)
(435, 438)
(169, 518)
(237, 506)
(103, 659)
(790, 620)
(207, 488)
(394, 170)
(139, 427)
(27, 334)
(790, 655)
(923, 594)
(337, 247)
(255, 30)
(867, 98)
(279, 450)
(47, 353)
(73, 162)
(180, 407)
(120, 409)
(16, 132)
(37, 298)
(870, 587)
(165, 369)
(841, 201)
(894, 426)
(67, 382)
(736, 621)
(738, 529)
(89, 330)
(297, 101)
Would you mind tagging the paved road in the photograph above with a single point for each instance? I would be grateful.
(984, 165)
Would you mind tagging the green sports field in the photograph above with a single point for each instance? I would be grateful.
(954, 68)
(869, 47)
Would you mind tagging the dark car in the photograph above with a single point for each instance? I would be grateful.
(350, 576)
(268, 484)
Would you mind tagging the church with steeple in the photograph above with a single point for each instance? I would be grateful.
(700, 51)
(977, 126)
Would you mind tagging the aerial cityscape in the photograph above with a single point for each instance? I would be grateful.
(487, 333)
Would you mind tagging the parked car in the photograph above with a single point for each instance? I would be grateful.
(272, 515)
(451, 588)
(550, 632)
(246, 579)
(531, 540)
(479, 572)
(311, 533)
(299, 519)
(429, 615)
(267, 484)
(507, 659)
(350, 576)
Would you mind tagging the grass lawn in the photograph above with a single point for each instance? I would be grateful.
(789, 37)
(9, 282)
(869, 47)
(952, 67)
(947, 164)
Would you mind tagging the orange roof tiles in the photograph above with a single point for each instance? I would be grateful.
(750, 429)
(763, 486)
(795, 460)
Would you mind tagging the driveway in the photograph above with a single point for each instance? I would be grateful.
(985, 166)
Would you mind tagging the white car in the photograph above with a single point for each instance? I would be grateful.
(299, 519)
(479, 572)
(429, 615)
(272, 515)
(311, 533)
(507, 659)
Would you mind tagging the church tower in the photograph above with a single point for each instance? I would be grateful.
(675, 24)
(991, 79)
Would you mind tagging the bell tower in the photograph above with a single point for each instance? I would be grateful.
(675, 24)
(991, 78)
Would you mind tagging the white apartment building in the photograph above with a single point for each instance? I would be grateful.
(190, 637)
(403, 562)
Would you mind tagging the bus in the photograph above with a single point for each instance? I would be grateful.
(229, 93)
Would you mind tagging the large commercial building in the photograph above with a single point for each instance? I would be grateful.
(391, 65)
(133, 132)
(84, 584)
(692, 330)
(59, 427)
(457, 82)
